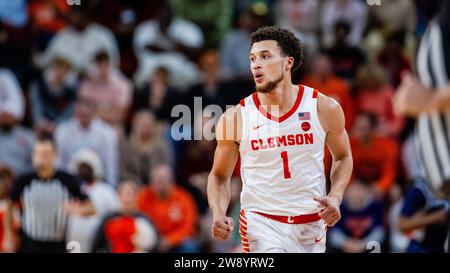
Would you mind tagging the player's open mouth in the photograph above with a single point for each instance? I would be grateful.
(258, 77)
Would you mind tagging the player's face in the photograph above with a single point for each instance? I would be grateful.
(268, 65)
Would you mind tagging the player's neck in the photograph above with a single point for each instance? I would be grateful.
(283, 96)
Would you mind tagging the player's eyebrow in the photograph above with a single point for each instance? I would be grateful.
(260, 52)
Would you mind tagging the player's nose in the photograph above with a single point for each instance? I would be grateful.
(256, 65)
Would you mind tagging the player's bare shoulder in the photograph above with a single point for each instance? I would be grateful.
(330, 113)
(229, 126)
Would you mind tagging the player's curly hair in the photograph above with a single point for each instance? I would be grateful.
(290, 45)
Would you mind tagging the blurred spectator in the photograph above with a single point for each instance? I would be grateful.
(387, 19)
(209, 89)
(388, 14)
(14, 38)
(424, 218)
(122, 17)
(109, 90)
(47, 17)
(15, 144)
(196, 156)
(148, 143)
(172, 209)
(374, 39)
(167, 42)
(80, 41)
(374, 95)
(6, 181)
(236, 46)
(260, 7)
(15, 141)
(14, 12)
(11, 98)
(212, 16)
(345, 57)
(127, 230)
(87, 165)
(157, 95)
(353, 12)
(85, 130)
(361, 222)
(398, 241)
(323, 78)
(393, 59)
(301, 17)
(53, 96)
(46, 196)
(375, 158)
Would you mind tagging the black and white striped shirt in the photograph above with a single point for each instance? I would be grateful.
(42, 204)
(433, 129)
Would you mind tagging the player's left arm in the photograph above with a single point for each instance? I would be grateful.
(332, 119)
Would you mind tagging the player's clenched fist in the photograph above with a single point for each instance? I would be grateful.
(222, 227)
(331, 213)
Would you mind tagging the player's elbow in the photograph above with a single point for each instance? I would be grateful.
(217, 178)
(346, 157)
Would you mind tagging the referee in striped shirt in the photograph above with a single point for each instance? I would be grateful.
(427, 99)
(46, 198)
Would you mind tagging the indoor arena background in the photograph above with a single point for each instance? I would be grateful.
(109, 61)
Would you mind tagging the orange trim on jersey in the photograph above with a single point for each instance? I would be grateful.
(300, 219)
(243, 232)
(315, 94)
(242, 102)
(285, 116)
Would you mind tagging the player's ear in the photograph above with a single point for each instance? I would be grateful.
(290, 63)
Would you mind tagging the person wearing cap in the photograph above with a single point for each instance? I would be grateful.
(86, 163)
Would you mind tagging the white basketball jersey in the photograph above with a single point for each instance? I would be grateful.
(282, 166)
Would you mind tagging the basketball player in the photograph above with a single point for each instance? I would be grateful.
(280, 133)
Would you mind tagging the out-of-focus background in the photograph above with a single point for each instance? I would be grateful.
(120, 66)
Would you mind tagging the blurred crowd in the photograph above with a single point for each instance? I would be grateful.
(102, 78)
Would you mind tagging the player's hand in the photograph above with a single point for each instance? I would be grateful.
(222, 227)
(330, 212)
(411, 97)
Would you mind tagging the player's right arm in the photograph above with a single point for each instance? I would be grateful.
(225, 158)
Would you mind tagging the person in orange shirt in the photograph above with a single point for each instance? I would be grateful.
(172, 209)
(375, 157)
(374, 95)
(126, 230)
(324, 79)
(47, 15)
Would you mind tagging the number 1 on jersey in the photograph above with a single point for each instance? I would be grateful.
(287, 173)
